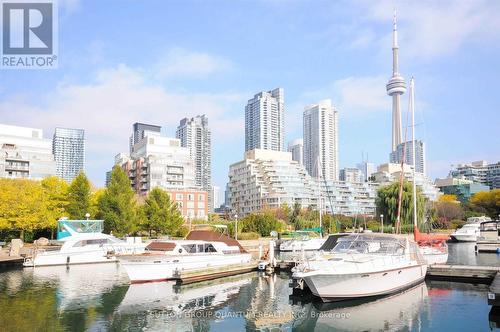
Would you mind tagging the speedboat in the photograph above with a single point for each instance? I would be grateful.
(363, 265)
(470, 231)
(162, 260)
(84, 248)
(303, 242)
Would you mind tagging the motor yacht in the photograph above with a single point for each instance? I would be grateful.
(470, 231)
(83, 246)
(202, 249)
(363, 265)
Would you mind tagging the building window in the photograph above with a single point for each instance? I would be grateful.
(179, 205)
(201, 197)
(190, 197)
(178, 197)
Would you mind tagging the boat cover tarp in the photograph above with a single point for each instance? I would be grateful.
(331, 242)
(206, 235)
(429, 238)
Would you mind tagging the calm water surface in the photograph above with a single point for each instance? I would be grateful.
(99, 298)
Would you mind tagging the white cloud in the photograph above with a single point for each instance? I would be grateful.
(354, 96)
(116, 99)
(181, 62)
(429, 29)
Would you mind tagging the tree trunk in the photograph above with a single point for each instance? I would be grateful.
(22, 235)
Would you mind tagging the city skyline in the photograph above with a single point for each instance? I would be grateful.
(104, 85)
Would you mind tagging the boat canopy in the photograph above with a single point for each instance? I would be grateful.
(331, 241)
(488, 226)
(363, 243)
(66, 227)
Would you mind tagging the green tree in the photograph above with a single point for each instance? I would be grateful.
(262, 223)
(117, 205)
(387, 204)
(55, 192)
(79, 197)
(297, 208)
(161, 213)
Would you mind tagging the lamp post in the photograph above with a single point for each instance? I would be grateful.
(382, 222)
(236, 227)
(87, 215)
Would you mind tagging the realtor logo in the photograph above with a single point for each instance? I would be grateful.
(29, 34)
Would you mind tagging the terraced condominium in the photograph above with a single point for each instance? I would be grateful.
(68, 147)
(321, 140)
(265, 122)
(195, 135)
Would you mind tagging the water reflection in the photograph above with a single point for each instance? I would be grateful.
(99, 297)
(388, 313)
(463, 253)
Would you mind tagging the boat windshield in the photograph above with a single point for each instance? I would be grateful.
(366, 244)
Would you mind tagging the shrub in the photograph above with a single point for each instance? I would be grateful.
(181, 232)
(248, 236)
(457, 223)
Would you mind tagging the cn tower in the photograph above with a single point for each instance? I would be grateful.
(395, 88)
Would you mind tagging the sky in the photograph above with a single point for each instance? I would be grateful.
(156, 61)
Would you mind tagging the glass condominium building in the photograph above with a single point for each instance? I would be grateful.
(68, 147)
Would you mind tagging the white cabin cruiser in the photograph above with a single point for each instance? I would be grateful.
(81, 247)
(364, 265)
(163, 259)
(470, 231)
(303, 242)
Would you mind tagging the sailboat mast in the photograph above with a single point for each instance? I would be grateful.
(412, 106)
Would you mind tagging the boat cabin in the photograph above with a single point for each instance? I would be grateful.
(187, 247)
(489, 231)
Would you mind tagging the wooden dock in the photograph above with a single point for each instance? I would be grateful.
(494, 292)
(11, 261)
(462, 273)
(210, 273)
(487, 246)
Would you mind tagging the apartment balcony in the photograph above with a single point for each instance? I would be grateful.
(17, 168)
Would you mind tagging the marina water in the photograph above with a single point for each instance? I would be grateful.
(99, 298)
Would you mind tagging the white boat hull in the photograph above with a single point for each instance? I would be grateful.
(435, 255)
(464, 237)
(335, 287)
(160, 268)
(90, 256)
(436, 258)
